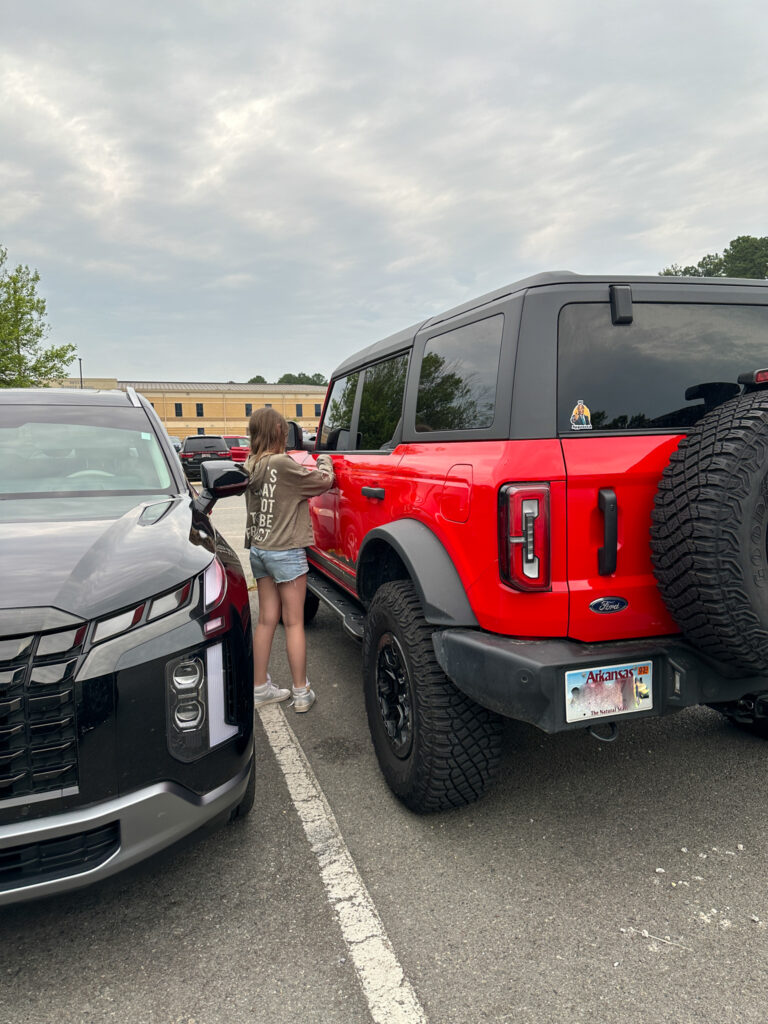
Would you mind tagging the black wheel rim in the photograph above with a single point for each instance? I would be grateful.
(393, 695)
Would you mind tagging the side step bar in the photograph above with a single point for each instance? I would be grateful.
(351, 613)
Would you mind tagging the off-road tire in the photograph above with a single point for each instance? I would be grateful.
(455, 744)
(709, 534)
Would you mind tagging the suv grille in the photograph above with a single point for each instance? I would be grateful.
(57, 858)
(38, 738)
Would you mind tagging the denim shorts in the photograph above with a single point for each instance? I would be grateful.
(282, 566)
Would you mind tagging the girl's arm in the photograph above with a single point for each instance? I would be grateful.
(314, 480)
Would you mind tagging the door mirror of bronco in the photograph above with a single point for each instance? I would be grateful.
(295, 440)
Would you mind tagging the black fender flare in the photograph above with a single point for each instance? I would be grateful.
(438, 585)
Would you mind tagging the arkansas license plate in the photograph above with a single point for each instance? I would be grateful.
(608, 690)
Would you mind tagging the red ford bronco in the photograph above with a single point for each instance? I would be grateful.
(551, 505)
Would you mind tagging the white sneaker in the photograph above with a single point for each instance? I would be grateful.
(303, 699)
(268, 693)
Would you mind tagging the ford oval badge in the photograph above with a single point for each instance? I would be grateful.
(608, 605)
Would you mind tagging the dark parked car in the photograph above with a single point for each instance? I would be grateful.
(126, 689)
(198, 448)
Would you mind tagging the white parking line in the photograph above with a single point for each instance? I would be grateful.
(391, 998)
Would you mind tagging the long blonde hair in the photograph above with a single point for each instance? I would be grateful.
(269, 434)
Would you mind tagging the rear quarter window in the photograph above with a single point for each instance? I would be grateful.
(662, 372)
(458, 376)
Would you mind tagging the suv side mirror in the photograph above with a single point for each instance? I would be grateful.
(295, 437)
(219, 480)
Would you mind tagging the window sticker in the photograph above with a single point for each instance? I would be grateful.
(581, 418)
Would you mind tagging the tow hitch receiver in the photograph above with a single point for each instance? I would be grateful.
(750, 707)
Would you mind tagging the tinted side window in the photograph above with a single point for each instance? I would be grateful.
(457, 382)
(663, 371)
(381, 405)
(335, 432)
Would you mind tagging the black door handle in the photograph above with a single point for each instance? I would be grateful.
(372, 492)
(606, 555)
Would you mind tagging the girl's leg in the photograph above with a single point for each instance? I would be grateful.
(269, 616)
(292, 596)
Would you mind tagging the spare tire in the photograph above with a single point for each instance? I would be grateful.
(709, 537)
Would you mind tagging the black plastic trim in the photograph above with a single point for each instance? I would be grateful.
(606, 555)
(438, 584)
(524, 679)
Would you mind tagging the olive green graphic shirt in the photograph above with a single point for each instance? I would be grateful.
(276, 500)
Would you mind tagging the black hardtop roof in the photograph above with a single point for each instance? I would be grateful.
(402, 339)
(63, 396)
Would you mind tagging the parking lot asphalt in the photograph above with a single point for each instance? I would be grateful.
(598, 882)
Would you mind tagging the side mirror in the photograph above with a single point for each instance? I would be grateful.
(295, 440)
(219, 480)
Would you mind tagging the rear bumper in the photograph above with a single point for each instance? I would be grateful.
(525, 679)
(128, 829)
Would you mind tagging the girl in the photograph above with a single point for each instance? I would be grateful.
(278, 529)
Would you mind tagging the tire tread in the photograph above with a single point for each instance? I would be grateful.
(457, 748)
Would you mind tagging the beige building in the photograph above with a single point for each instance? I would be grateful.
(195, 408)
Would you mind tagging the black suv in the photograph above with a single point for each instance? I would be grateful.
(198, 448)
(551, 504)
(126, 689)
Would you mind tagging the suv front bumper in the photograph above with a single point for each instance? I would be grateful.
(135, 826)
(525, 679)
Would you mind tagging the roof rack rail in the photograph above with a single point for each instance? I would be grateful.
(133, 398)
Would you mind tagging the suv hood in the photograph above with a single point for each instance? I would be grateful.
(91, 567)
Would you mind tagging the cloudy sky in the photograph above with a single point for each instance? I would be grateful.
(212, 189)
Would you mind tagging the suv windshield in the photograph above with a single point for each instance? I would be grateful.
(664, 371)
(238, 442)
(68, 451)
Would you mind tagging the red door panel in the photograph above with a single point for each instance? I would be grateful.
(454, 490)
(342, 516)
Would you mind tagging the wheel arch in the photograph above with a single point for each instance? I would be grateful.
(407, 549)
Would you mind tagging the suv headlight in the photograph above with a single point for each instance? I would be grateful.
(147, 611)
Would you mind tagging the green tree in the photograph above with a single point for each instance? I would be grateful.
(258, 379)
(303, 378)
(746, 256)
(24, 361)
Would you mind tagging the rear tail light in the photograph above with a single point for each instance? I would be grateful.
(524, 536)
(185, 455)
